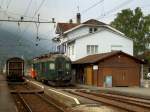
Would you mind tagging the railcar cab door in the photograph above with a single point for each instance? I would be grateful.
(60, 64)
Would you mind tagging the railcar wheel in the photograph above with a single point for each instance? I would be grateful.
(45, 82)
(38, 79)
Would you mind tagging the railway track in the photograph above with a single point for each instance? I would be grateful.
(36, 103)
(123, 102)
(29, 99)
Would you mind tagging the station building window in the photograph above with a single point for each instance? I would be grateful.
(92, 49)
(71, 50)
(92, 29)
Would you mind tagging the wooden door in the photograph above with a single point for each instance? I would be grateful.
(120, 77)
(89, 75)
(95, 77)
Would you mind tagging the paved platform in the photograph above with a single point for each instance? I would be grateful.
(6, 102)
(128, 91)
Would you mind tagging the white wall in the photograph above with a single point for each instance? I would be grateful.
(77, 33)
(104, 39)
(69, 51)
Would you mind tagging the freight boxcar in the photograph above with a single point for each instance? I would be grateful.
(15, 69)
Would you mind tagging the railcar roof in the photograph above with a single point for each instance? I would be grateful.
(51, 58)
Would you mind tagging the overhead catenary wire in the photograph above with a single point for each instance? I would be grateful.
(36, 22)
(115, 8)
(28, 21)
(1, 3)
(19, 31)
(92, 6)
(35, 14)
(17, 14)
(108, 12)
(89, 8)
(41, 4)
(37, 10)
(28, 7)
(7, 7)
(9, 1)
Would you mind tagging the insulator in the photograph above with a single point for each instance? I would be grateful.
(21, 18)
(37, 38)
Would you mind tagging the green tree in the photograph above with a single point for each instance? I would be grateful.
(135, 26)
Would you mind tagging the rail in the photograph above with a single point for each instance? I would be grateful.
(48, 101)
(125, 104)
(73, 98)
(25, 103)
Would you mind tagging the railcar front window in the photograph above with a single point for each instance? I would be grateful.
(67, 66)
(52, 66)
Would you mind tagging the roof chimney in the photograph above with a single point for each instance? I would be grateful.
(78, 18)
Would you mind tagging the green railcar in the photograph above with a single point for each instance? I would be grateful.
(55, 69)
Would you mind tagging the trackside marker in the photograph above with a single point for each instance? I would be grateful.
(75, 99)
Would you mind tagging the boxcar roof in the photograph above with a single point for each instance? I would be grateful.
(91, 59)
(15, 59)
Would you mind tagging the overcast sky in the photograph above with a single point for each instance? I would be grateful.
(62, 11)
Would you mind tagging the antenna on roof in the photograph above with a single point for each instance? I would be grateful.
(78, 7)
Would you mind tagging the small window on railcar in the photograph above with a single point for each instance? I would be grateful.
(51, 66)
(68, 66)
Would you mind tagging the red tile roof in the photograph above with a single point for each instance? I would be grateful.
(99, 57)
(62, 27)
(93, 22)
